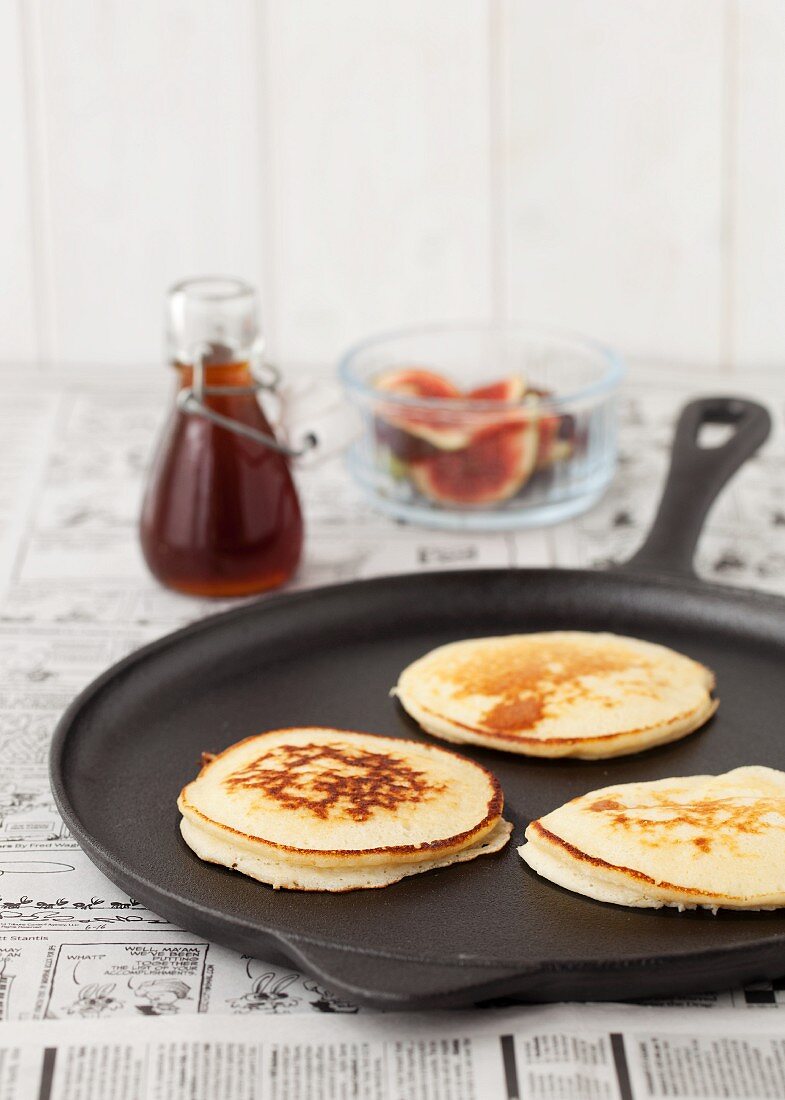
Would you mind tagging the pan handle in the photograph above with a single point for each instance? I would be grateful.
(392, 983)
(696, 476)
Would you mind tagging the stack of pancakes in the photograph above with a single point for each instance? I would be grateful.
(323, 809)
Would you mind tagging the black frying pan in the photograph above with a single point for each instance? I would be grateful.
(489, 928)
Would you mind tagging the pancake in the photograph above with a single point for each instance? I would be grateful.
(564, 693)
(325, 809)
(710, 841)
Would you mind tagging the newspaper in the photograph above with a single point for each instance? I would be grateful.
(556, 1053)
(75, 597)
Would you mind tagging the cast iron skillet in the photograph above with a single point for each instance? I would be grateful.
(490, 928)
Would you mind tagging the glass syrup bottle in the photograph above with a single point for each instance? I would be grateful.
(221, 515)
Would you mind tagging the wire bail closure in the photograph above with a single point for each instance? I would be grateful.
(191, 400)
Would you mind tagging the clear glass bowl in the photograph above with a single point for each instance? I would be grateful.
(538, 449)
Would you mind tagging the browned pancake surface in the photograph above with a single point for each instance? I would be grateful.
(528, 682)
(334, 780)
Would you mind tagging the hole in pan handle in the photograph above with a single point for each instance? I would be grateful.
(696, 476)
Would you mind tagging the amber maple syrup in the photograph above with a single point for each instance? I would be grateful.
(221, 516)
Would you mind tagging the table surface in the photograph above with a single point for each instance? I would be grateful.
(76, 597)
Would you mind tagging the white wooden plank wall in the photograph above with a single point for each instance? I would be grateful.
(758, 132)
(380, 117)
(17, 312)
(614, 171)
(149, 116)
(616, 167)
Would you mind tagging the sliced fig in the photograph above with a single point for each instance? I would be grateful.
(508, 389)
(437, 428)
(514, 402)
(416, 382)
(554, 445)
(548, 434)
(427, 432)
(556, 436)
(406, 446)
(495, 465)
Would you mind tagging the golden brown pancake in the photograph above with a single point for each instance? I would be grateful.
(703, 840)
(333, 809)
(563, 693)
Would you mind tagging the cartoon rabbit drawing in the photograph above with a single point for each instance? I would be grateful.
(326, 1001)
(95, 1000)
(267, 995)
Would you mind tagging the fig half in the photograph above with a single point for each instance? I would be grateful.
(437, 428)
(492, 468)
